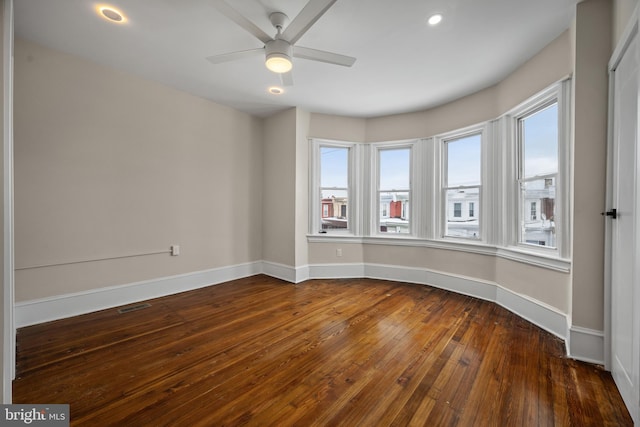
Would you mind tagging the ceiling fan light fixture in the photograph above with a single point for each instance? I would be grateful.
(278, 63)
(278, 56)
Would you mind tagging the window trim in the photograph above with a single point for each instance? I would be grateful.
(315, 207)
(441, 187)
(558, 93)
(414, 208)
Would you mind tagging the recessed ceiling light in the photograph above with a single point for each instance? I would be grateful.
(275, 90)
(435, 19)
(111, 14)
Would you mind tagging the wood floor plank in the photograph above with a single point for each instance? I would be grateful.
(260, 351)
(325, 384)
(235, 354)
(481, 407)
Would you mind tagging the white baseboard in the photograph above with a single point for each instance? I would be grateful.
(460, 284)
(302, 273)
(586, 345)
(279, 271)
(68, 305)
(536, 312)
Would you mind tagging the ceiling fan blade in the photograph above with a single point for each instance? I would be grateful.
(239, 19)
(323, 56)
(233, 56)
(305, 19)
(286, 79)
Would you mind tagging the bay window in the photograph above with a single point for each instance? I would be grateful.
(503, 183)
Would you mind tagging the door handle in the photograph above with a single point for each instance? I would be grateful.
(613, 213)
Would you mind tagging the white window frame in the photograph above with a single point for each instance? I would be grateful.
(441, 183)
(415, 210)
(515, 212)
(353, 190)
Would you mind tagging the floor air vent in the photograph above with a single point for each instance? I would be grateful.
(131, 308)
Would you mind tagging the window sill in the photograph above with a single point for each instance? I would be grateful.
(510, 253)
(533, 257)
(328, 237)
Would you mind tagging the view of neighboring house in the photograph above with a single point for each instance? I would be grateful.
(539, 207)
(463, 213)
(334, 212)
(394, 213)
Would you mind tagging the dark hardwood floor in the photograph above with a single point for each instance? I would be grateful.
(259, 351)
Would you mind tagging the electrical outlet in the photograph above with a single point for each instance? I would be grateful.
(175, 250)
(339, 252)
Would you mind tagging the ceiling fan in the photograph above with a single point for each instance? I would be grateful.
(280, 49)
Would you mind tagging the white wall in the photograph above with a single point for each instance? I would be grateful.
(591, 84)
(337, 128)
(108, 165)
(279, 188)
(303, 119)
(622, 12)
(285, 193)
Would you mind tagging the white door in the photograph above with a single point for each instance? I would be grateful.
(624, 231)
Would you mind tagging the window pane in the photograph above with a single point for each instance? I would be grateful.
(462, 215)
(463, 161)
(334, 183)
(334, 162)
(334, 207)
(540, 142)
(538, 225)
(395, 169)
(394, 211)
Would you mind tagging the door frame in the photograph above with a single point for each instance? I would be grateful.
(8, 321)
(621, 48)
(631, 31)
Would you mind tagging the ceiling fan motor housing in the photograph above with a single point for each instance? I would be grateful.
(278, 46)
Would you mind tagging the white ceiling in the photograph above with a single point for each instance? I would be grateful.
(402, 64)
